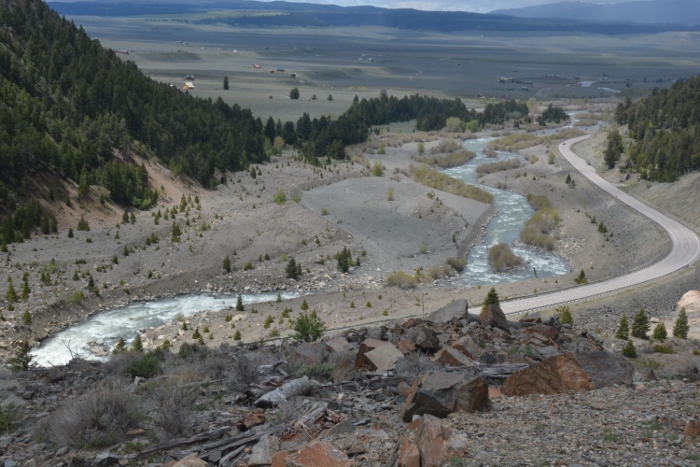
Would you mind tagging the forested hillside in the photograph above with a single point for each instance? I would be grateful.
(666, 130)
(74, 110)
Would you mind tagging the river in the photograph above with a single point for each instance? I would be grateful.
(512, 211)
(126, 322)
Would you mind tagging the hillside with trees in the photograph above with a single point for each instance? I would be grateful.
(666, 130)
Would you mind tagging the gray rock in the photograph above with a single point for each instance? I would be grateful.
(457, 309)
(440, 393)
(106, 458)
(605, 368)
(492, 315)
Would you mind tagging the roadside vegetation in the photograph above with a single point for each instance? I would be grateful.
(519, 141)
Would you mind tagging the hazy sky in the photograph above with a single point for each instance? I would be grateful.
(478, 6)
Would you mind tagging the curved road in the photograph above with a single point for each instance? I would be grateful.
(685, 250)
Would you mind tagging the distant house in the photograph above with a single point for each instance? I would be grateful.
(188, 86)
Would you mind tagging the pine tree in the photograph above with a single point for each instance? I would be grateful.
(237, 336)
(291, 270)
(304, 305)
(239, 303)
(581, 279)
(680, 328)
(138, 344)
(491, 298)
(11, 293)
(70, 232)
(120, 347)
(225, 83)
(27, 318)
(227, 264)
(629, 350)
(623, 329)
(660, 333)
(25, 291)
(640, 325)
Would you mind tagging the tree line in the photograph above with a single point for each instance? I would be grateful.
(665, 127)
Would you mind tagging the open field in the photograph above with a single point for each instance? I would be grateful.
(337, 61)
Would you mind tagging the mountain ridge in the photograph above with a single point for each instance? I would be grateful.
(683, 12)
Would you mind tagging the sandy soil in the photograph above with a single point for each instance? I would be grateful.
(339, 206)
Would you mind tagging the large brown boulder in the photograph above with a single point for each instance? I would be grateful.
(492, 315)
(382, 358)
(440, 393)
(318, 454)
(555, 375)
(438, 444)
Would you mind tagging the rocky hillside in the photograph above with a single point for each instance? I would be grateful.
(454, 389)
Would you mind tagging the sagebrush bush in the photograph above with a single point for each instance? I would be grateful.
(100, 418)
(174, 407)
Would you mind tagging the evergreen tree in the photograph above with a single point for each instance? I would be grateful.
(227, 264)
(614, 149)
(660, 333)
(120, 346)
(70, 232)
(291, 269)
(629, 350)
(237, 336)
(11, 293)
(304, 306)
(137, 346)
(27, 318)
(225, 83)
(491, 298)
(623, 329)
(640, 325)
(84, 185)
(25, 291)
(680, 328)
(308, 328)
(239, 303)
(581, 279)
(294, 94)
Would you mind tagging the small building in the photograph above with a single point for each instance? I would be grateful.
(188, 86)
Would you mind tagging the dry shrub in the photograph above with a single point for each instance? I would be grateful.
(446, 145)
(402, 280)
(439, 272)
(174, 407)
(493, 167)
(458, 264)
(97, 419)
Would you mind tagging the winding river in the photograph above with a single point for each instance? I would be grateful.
(512, 211)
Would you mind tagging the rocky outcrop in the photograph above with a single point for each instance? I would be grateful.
(555, 375)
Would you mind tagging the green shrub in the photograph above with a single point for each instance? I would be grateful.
(659, 348)
(268, 321)
(227, 264)
(7, 423)
(308, 328)
(402, 280)
(581, 278)
(21, 359)
(439, 181)
(280, 197)
(146, 366)
(502, 258)
(458, 264)
(565, 315)
(378, 168)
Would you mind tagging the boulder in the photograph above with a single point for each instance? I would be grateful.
(366, 346)
(260, 455)
(449, 356)
(426, 339)
(606, 369)
(549, 332)
(406, 346)
(254, 418)
(555, 375)
(440, 393)
(437, 444)
(106, 458)
(457, 309)
(492, 315)
(692, 429)
(311, 352)
(191, 461)
(318, 454)
(467, 346)
(382, 358)
(409, 456)
(338, 345)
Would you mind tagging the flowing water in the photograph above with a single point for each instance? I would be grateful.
(126, 322)
(513, 211)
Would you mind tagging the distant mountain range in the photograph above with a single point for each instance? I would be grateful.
(314, 15)
(685, 12)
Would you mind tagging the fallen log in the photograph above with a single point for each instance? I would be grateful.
(177, 443)
(296, 387)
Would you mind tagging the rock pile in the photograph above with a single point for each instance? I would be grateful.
(417, 393)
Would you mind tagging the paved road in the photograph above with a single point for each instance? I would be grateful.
(685, 251)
